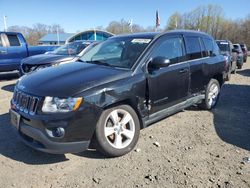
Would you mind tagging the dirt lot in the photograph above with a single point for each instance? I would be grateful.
(197, 149)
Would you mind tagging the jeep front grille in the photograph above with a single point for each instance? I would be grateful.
(24, 102)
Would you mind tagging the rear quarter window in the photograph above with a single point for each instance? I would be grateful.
(13, 40)
(193, 47)
(211, 47)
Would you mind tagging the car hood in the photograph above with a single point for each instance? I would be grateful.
(42, 59)
(69, 79)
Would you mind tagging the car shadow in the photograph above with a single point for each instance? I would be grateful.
(5, 76)
(245, 72)
(9, 88)
(91, 153)
(12, 147)
(231, 115)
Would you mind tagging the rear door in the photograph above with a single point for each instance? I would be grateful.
(195, 53)
(168, 85)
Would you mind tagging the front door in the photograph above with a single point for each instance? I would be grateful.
(168, 85)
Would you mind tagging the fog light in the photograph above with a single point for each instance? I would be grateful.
(58, 132)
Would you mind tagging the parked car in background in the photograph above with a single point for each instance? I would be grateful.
(13, 48)
(244, 50)
(118, 87)
(67, 53)
(237, 49)
(226, 48)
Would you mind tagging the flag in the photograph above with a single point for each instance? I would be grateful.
(157, 21)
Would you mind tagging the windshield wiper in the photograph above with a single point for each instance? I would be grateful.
(80, 60)
(99, 63)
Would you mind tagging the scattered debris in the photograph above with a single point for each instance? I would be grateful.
(151, 136)
(246, 159)
(211, 180)
(157, 144)
(96, 180)
(239, 173)
(152, 178)
(137, 150)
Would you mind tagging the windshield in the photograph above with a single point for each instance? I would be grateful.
(73, 48)
(237, 47)
(117, 52)
(224, 46)
(243, 47)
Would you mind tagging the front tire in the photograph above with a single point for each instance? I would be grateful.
(117, 131)
(211, 95)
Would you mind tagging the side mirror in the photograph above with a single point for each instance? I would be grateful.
(159, 62)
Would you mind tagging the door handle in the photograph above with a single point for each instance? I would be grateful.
(183, 71)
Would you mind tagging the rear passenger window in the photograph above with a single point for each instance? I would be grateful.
(203, 49)
(170, 48)
(193, 48)
(216, 50)
(13, 40)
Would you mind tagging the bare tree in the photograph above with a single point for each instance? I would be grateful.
(38, 30)
(210, 19)
(123, 26)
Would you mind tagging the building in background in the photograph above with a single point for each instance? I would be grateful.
(52, 39)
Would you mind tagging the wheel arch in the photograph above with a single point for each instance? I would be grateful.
(219, 78)
(133, 103)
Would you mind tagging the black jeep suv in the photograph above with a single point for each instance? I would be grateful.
(115, 89)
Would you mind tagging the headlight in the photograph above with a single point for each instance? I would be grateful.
(55, 104)
(40, 67)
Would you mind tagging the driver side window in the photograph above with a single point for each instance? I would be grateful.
(171, 48)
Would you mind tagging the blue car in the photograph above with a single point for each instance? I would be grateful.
(65, 54)
(14, 48)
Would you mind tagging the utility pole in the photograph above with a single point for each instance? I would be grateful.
(131, 25)
(58, 39)
(95, 34)
(176, 22)
(5, 23)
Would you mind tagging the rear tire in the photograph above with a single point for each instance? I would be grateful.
(211, 95)
(117, 131)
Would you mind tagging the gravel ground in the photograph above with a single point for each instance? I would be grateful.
(192, 148)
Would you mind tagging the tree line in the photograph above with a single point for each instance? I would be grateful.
(37, 31)
(208, 18)
(211, 19)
